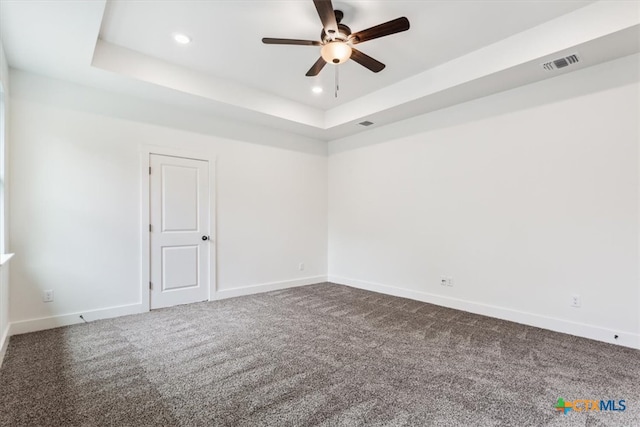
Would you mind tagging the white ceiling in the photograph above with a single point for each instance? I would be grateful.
(227, 38)
(453, 47)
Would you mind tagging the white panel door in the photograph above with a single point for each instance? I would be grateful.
(180, 240)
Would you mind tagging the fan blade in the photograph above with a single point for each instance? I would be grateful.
(327, 16)
(317, 67)
(386, 29)
(367, 61)
(268, 40)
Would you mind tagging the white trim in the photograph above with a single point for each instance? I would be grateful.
(638, 259)
(213, 230)
(4, 343)
(267, 287)
(33, 325)
(145, 255)
(626, 339)
(40, 324)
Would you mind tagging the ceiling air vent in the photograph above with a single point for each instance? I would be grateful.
(559, 63)
(366, 123)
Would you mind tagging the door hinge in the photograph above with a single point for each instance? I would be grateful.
(149, 170)
(150, 286)
(149, 228)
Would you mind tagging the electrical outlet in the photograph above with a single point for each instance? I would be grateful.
(575, 301)
(47, 296)
(446, 281)
(301, 266)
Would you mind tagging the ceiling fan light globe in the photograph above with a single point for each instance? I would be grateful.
(335, 52)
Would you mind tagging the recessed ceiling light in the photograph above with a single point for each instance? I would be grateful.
(181, 38)
(316, 89)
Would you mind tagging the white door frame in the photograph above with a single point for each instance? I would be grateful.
(145, 194)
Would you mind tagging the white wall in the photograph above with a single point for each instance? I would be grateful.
(523, 198)
(75, 202)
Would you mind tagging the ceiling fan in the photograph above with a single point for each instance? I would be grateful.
(337, 40)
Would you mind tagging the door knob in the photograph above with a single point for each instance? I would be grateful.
(205, 237)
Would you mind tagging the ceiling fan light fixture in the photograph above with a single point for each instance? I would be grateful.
(316, 89)
(335, 52)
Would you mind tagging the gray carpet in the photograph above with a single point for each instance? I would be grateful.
(324, 355)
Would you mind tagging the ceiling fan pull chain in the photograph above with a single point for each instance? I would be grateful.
(337, 81)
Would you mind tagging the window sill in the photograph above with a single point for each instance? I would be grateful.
(4, 258)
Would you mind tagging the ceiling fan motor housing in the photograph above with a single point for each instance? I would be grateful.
(335, 49)
(342, 35)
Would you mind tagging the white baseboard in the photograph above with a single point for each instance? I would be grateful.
(626, 339)
(4, 342)
(266, 287)
(33, 325)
